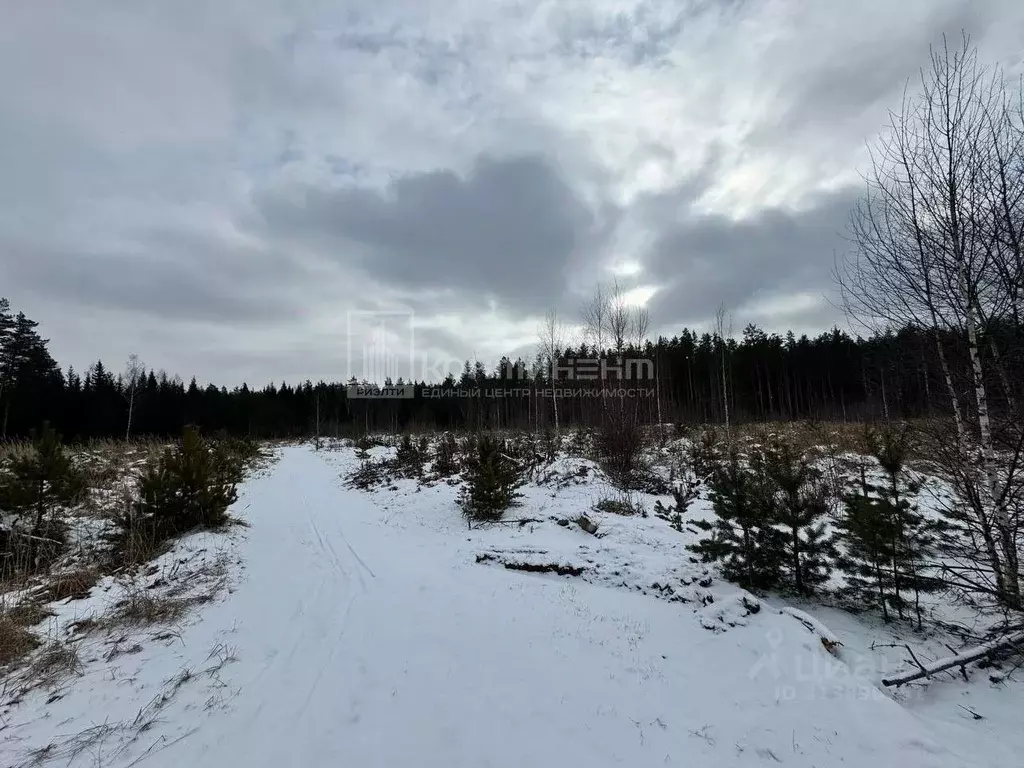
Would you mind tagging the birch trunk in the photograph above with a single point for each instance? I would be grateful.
(131, 409)
(1008, 573)
(554, 400)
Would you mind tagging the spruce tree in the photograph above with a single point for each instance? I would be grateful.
(797, 503)
(492, 481)
(743, 538)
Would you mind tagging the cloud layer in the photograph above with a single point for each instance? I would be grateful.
(217, 188)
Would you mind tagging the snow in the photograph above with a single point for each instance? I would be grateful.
(826, 635)
(359, 629)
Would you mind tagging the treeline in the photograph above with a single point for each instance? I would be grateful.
(759, 376)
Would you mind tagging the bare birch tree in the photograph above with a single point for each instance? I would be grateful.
(551, 341)
(595, 319)
(723, 328)
(134, 372)
(934, 247)
(620, 320)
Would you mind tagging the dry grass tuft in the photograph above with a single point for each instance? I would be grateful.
(16, 641)
(28, 614)
(141, 607)
(53, 663)
(71, 585)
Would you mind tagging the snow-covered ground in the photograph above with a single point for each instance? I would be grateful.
(375, 629)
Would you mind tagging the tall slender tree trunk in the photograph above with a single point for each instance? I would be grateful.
(725, 391)
(131, 409)
(881, 590)
(1010, 592)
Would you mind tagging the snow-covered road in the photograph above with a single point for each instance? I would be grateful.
(363, 643)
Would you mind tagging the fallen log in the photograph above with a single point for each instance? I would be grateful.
(829, 640)
(959, 660)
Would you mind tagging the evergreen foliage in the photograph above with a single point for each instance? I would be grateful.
(743, 537)
(38, 482)
(446, 460)
(771, 377)
(888, 541)
(191, 485)
(685, 492)
(867, 533)
(409, 458)
(797, 504)
(705, 453)
(491, 481)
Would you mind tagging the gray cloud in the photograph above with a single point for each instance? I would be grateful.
(863, 75)
(709, 259)
(507, 230)
(216, 186)
(163, 280)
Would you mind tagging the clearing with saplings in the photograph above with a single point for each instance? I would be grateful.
(497, 598)
(622, 550)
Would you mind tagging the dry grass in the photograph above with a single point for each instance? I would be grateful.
(71, 585)
(137, 547)
(141, 607)
(842, 437)
(835, 435)
(623, 504)
(113, 739)
(11, 448)
(16, 641)
(54, 662)
(28, 613)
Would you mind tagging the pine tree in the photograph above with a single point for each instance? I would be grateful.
(867, 532)
(409, 457)
(446, 462)
(40, 481)
(913, 535)
(6, 325)
(798, 505)
(685, 492)
(28, 373)
(7, 367)
(406, 455)
(706, 453)
(192, 485)
(743, 538)
(492, 481)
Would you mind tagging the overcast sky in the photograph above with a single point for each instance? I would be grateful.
(218, 186)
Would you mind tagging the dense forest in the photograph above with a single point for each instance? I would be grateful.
(767, 377)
